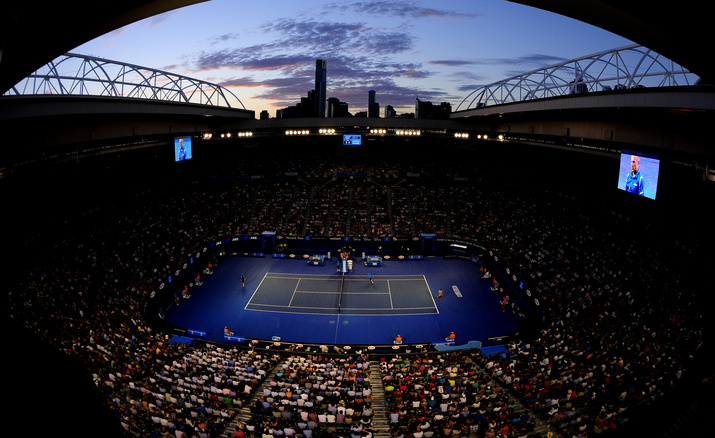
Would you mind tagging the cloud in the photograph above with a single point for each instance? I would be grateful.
(526, 61)
(306, 41)
(468, 88)
(243, 82)
(223, 38)
(333, 38)
(398, 9)
(249, 59)
(451, 62)
(544, 60)
(360, 57)
(159, 19)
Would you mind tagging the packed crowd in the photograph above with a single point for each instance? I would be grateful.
(196, 393)
(621, 322)
(448, 395)
(314, 395)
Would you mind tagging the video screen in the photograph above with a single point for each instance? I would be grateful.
(182, 148)
(352, 139)
(639, 173)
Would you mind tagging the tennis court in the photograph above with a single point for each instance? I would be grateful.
(347, 295)
(298, 302)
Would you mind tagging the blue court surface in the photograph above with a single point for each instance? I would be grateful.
(298, 302)
(352, 295)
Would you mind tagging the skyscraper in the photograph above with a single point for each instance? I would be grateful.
(321, 73)
(373, 108)
(336, 108)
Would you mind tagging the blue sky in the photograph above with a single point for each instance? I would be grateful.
(438, 51)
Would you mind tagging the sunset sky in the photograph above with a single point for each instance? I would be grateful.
(438, 51)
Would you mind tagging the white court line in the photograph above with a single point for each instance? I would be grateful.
(294, 290)
(376, 279)
(294, 307)
(299, 277)
(256, 290)
(327, 292)
(383, 308)
(349, 309)
(389, 291)
(430, 293)
(366, 293)
(304, 277)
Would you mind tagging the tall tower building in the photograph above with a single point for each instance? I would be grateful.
(321, 74)
(373, 108)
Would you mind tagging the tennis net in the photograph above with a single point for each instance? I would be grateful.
(342, 286)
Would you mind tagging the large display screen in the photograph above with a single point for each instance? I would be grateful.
(639, 173)
(182, 148)
(352, 139)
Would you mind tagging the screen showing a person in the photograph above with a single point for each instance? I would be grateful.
(182, 148)
(352, 139)
(639, 173)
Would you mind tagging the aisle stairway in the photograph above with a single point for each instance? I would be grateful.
(380, 422)
(244, 414)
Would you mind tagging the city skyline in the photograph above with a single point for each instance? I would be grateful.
(266, 54)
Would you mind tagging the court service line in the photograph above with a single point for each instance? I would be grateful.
(294, 290)
(366, 293)
(318, 291)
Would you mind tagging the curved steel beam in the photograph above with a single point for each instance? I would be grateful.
(32, 34)
(678, 31)
(101, 77)
(625, 67)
